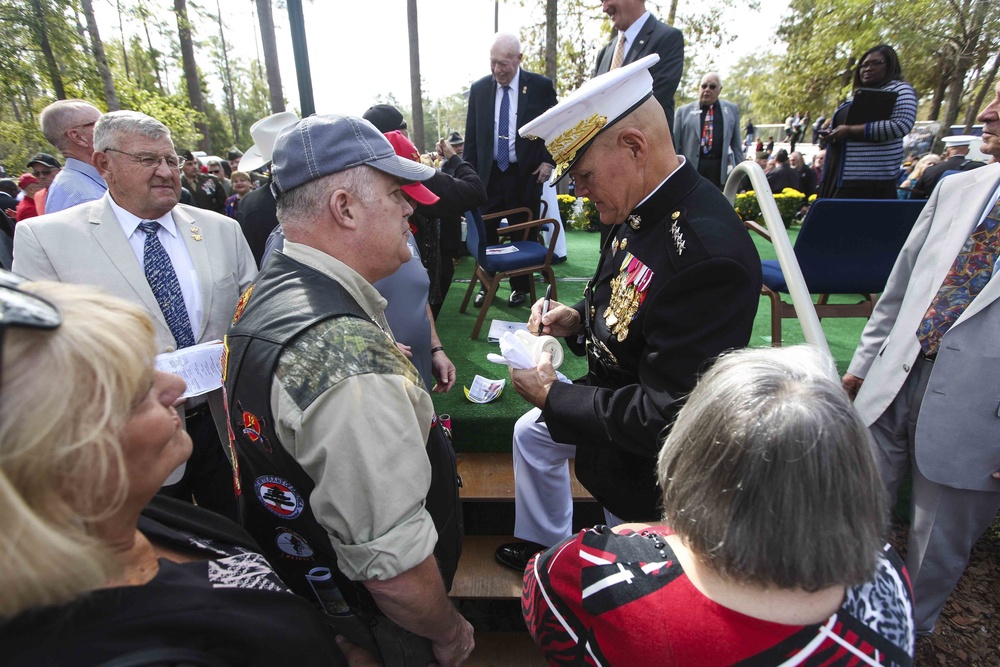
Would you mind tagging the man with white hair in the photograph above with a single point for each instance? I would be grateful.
(69, 126)
(511, 166)
(185, 266)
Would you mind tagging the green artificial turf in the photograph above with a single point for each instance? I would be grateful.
(489, 427)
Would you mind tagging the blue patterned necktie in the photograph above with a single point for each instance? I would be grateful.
(972, 269)
(503, 141)
(163, 281)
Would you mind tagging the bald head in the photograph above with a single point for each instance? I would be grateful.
(69, 126)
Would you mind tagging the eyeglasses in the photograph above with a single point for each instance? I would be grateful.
(23, 309)
(41, 172)
(869, 64)
(152, 161)
(710, 86)
(90, 124)
(215, 171)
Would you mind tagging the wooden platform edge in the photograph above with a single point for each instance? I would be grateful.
(489, 476)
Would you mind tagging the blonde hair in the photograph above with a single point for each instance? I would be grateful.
(66, 397)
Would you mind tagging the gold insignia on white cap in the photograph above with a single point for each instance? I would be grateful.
(571, 125)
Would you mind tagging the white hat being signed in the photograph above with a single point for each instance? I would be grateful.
(264, 132)
(568, 128)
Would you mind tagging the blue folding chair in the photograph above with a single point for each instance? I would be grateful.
(845, 246)
(496, 263)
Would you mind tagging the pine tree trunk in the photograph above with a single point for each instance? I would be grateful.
(43, 42)
(416, 97)
(551, 38)
(191, 71)
(266, 21)
(97, 46)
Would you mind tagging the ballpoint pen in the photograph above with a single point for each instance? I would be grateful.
(545, 308)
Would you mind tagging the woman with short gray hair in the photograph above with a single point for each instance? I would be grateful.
(770, 549)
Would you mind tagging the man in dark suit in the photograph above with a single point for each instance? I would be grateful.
(956, 158)
(511, 167)
(640, 34)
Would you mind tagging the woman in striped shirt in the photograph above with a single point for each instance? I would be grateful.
(866, 157)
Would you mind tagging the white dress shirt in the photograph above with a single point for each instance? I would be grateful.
(511, 130)
(632, 32)
(177, 251)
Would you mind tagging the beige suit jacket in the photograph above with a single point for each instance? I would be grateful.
(957, 439)
(85, 245)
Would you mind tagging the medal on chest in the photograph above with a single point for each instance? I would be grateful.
(628, 291)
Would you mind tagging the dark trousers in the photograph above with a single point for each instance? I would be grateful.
(209, 474)
(711, 168)
(509, 189)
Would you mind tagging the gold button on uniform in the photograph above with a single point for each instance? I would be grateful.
(624, 244)
(675, 215)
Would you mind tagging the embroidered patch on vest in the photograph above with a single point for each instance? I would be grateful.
(278, 496)
(292, 545)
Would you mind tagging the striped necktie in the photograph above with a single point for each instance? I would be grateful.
(972, 269)
(163, 281)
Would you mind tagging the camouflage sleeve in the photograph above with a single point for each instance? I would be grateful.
(354, 414)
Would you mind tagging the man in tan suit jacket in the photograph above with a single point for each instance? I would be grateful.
(934, 408)
(101, 243)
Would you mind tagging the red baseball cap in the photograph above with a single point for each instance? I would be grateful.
(26, 180)
(404, 148)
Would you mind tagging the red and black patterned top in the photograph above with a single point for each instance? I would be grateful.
(605, 599)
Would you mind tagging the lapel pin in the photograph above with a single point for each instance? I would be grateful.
(196, 237)
(524, 91)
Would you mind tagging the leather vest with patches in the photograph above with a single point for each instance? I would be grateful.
(287, 299)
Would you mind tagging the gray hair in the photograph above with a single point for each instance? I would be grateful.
(768, 473)
(60, 116)
(110, 128)
(299, 205)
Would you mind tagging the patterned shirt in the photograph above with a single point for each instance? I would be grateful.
(600, 598)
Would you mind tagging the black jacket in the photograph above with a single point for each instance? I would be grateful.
(701, 301)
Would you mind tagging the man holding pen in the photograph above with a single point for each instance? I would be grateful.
(676, 285)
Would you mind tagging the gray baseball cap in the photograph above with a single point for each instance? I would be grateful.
(318, 146)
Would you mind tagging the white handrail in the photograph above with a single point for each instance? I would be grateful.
(797, 288)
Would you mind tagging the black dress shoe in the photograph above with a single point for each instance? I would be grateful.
(516, 299)
(516, 555)
(558, 260)
(478, 301)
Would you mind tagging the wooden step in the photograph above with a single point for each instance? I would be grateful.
(505, 649)
(489, 476)
(480, 576)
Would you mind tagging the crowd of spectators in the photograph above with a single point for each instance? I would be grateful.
(325, 275)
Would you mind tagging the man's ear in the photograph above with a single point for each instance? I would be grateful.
(344, 209)
(102, 164)
(635, 142)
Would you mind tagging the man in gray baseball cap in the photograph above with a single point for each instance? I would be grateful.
(347, 481)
